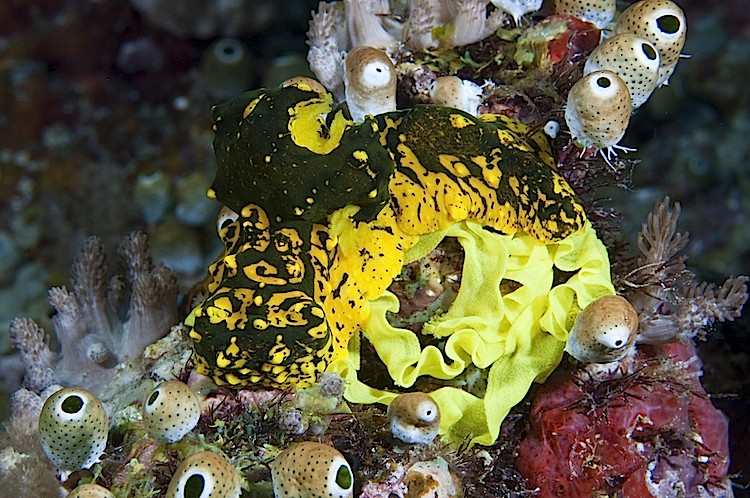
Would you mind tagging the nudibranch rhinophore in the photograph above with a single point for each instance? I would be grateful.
(324, 214)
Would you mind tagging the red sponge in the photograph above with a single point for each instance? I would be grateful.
(651, 433)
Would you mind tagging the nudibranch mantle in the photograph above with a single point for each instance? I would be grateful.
(328, 212)
(452, 167)
(286, 151)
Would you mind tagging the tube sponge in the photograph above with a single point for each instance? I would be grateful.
(90, 491)
(517, 338)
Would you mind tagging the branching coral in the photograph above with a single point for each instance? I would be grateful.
(327, 38)
(368, 22)
(424, 17)
(671, 303)
(33, 346)
(93, 333)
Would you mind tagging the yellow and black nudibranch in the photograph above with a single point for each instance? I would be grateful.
(325, 212)
(285, 163)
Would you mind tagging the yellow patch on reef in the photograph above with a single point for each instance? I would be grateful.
(307, 122)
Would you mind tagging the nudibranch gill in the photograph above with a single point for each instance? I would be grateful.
(289, 291)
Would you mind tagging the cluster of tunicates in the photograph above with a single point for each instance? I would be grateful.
(624, 69)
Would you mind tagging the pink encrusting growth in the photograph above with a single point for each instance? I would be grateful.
(653, 433)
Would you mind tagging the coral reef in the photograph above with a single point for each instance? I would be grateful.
(314, 407)
(448, 251)
(645, 427)
(422, 479)
(24, 468)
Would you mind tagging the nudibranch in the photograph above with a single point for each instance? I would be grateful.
(452, 167)
(324, 212)
(285, 162)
